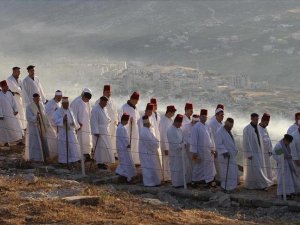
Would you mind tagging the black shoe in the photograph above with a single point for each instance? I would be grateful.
(6, 145)
(87, 157)
(102, 166)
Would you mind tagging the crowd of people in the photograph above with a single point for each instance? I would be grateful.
(183, 148)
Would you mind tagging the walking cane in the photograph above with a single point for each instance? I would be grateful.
(93, 151)
(67, 141)
(183, 166)
(227, 173)
(130, 131)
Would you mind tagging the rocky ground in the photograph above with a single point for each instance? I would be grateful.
(52, 194)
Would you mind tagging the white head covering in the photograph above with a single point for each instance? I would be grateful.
(86, 90)
(219, 110)
(58, 93)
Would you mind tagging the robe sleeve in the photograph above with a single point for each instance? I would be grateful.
(58, 119)
(294, 149)
(41, 91)
(275, 154)
(194, 140)
(220, 145)
(1, 107)
(173, 140)
(13, 103)
(94, 122)
(151, 141)
(163, 136)
(246, 143)
(30, 116)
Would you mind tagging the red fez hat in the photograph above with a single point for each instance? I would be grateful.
(178, 118)
(149, 106)
(171, 108)
(266, 117)
(203, 112)
(220, 106)
(125, 116)
(188, 106)
(135, 95)
(3, 83)
(153, 101)
(64, 99)
(297, 114)
(107, 87)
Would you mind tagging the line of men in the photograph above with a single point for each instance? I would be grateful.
(184, 150)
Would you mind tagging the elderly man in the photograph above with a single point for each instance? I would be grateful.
(149, 113)
(267, 144)
(10, 129)
(112, 112)
(68, 147)
(148, 149)
(227, 156)
(100, 130)
(188, 112)
(179, 163)
(165, 122)
(255, 174)
(126, 166)
(80, 106)
(38, 125)
(203, 150)
(131, 108)
(14, 85)
(31, 85)
(51, 106)
(294, 127)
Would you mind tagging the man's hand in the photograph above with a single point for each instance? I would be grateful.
(97, 135)
(250, 158)
(46, 102)
(128, 146)
(166, 152)
(196, 158)
(226, 155)
(15, 113)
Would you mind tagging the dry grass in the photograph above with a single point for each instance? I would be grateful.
(116, 208)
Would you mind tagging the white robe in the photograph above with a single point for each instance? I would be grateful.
(112, 112)
(185, 120)
(290, 176)
(267, 150)
(254, 170)
(82, 113)
(73, 154)
(292, 128)
(50, 109)
(36, 146)
(148, 150)
(225, 143)
(133, 130)
(177, 155)
(295, 152)
(15, 86)
(100, 125)
(164, 125)
(30, 87)
(10, 129)
(202, 144)
(186, 135)
(214, 126)
(126, 165)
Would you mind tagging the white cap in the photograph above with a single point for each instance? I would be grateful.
(219, 110)
(58, 93)
(87, 90)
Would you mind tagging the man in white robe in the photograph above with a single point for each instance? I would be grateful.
(286, 170)
(267, 144)
(14, 85)
(112, 112)
(165, 122)
(100, 122)
(179, 163)
(37, 130)
(203, 150)
(155, 113)
(51, 106)
(255, 174)
(155, 120)
(188, 112)
(132, 127)
(31, 85)
(80, 106)
(214, 124)
(227, 156)
(10, 128)
(68, 146)
(148, 112)
(126, 167)
(186, 134)
(295, 152)
(294, 127)
(149, 156)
